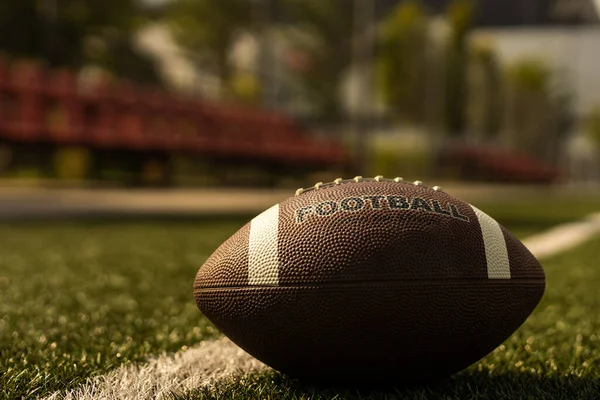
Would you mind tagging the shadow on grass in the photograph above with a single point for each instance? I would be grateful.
(469, 385)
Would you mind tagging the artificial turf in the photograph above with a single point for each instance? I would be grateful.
(78, 298)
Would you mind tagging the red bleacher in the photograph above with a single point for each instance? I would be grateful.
(494, 164)
(38, 105)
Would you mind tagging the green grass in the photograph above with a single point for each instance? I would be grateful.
(78, 298)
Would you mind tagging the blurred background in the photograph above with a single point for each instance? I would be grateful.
(283, 93)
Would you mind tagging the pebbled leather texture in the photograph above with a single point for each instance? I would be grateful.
(373, 279)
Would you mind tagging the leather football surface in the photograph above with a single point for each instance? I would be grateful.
(370, 279)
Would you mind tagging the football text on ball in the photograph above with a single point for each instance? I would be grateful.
(401, 203)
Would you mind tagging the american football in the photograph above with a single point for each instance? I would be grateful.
(154, 243)
(370, 279)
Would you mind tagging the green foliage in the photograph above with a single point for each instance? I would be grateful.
(329, 25)
(71, 33)
(401, 63)
(399, 155)
(593, 126)
(537, 111)
(530, 74)
(460, 16)
(207, 30)
(245, 87)
(72, 163)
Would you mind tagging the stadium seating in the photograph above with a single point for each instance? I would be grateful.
(499, 165)
(47, 106)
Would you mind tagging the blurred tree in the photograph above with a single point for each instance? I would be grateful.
(326, 42)
(531, 75)
(593, 126)
(245, 87)
(72, 33)
(527, 103)
(485, 94)
(208, 29)
(401, 61)
(460, 16)
(538, 111)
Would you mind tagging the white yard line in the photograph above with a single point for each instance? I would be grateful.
(563, 237)
(212, 361)
(198, 367)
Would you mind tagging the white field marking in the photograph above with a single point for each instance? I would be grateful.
(263, 255)
(496, 254)
(563, 237)
(214, 361)
(196, 368)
